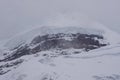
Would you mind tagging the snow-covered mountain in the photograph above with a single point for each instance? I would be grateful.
(62, 53)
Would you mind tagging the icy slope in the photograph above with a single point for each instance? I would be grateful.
(99, 64)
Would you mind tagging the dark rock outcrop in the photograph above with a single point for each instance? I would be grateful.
(58, 41)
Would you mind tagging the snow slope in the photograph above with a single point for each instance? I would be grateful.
(99, 64)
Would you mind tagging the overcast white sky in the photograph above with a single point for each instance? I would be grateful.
(19, 15)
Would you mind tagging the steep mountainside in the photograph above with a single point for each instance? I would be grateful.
(61, 53)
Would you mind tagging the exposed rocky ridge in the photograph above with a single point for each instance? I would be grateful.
(6, 67)
(57, 41)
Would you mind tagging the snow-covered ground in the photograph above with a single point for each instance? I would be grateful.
(99, 64)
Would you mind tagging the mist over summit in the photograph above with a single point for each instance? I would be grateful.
(65, 47)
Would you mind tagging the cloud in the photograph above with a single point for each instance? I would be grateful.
(19, 15)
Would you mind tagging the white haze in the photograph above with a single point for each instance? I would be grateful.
(19, 15)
